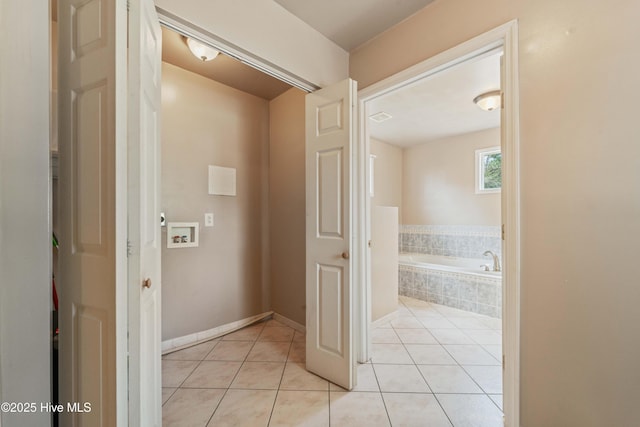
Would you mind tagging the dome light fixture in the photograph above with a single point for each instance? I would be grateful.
(489, 101)
(201, 50)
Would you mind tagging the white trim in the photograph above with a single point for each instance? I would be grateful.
(290, 323)
(384, 319)
(505, 37)
(185, 341)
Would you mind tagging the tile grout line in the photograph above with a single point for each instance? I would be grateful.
(235, 376)
(284, 368)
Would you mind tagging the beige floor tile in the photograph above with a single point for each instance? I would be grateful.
(367, 380)
(385, 336)
(416, 336)
(471, 410)
(471, 355)
(174, 372)
(231, 350)
(269, 352)
(451, 336)
(468, 323)
(166, 393)
(299, 336)
(497, 399)
(429, 354)
(196, 352)
(273, 322)
(448, 379)
(191, 407)
(298, 352)
(436, 323)
(492, 323)
(390, 353)
(484, 336)
(488, 377)
(357, 409)
(406, 322)
(400, 378)
(415, 410)
(296, 377)
(250, 333)
(426, 312)
(301, 409)
(244, 408)
(259, 376)
(494, 350)
(453, 312)
(213, 374)
(276, 333)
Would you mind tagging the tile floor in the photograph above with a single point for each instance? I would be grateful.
(431, 366)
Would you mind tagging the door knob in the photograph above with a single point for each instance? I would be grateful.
(146, 283)
(345, 255)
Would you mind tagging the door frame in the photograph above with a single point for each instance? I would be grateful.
(506, 37)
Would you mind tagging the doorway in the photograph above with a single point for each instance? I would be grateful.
(500, 38)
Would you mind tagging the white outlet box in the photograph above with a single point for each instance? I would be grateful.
(208, 220)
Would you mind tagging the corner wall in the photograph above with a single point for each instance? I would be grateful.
(287, 205)
(223, 280)
(579, 88)
(25, 234)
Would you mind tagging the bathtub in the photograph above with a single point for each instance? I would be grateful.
(455, 282)
(451, 264)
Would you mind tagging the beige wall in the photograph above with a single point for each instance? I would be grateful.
(579, 65)
(439, 182)
(287, 205)
(25, 235)
(387, 175)
(223, 280)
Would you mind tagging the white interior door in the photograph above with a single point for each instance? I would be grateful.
(145, 51)
(92, 149)
(329, 147)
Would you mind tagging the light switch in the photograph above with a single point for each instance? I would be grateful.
(208, 220)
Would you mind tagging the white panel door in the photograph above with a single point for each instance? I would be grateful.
(145, 51)
(329, 139)
(92, 149)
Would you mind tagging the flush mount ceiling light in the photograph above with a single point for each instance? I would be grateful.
(380, 117)
(201, 50)
(488, 101)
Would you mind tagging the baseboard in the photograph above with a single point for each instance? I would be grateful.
(384, 319)
(295, 325)
(179, 343)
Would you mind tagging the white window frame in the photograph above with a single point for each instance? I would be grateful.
(480, 154)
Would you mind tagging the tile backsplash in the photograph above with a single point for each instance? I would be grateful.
(463, 241)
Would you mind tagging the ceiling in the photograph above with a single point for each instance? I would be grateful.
(432, 108)
(223, 68)
(438, 106)
(350, 23)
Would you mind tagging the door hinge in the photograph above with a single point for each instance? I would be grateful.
(129, 248)
(502, 231)
(503, 362)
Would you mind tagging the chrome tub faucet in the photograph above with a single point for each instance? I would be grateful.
(496, 260)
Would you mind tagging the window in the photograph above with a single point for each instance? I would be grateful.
(488, 170)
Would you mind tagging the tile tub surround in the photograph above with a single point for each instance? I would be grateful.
(462, 291)
(462, 241)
